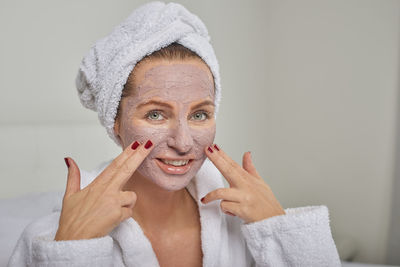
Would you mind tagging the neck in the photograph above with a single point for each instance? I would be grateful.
(157, 208)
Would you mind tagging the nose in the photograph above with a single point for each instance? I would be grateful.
(181, 139)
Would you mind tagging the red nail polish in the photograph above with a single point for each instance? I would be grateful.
(202, 199)
(148, 144)
(210, 149)
(66, 162)
(135, 145)
(216, 147)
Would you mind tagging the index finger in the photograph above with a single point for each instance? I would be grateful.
(116, 164)
(130, 165)
(227, 166)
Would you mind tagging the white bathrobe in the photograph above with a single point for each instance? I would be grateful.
(301, 237)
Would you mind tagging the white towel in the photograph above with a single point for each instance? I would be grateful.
(106, 67)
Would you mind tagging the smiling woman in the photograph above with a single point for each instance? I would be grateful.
(162, 201)
(171, 102)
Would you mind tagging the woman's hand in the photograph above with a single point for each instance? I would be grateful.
(99, 207)
(248, 197)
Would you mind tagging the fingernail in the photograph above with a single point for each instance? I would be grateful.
(216, 147)
(227, 212)
(66, 162)
(202, 199)
(210, 149)
(148, 144)
(135, 145)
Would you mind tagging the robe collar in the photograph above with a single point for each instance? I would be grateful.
(136, 247)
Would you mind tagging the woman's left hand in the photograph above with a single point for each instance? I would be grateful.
(248, 197)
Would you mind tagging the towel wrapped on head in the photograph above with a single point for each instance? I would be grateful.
(105, 69)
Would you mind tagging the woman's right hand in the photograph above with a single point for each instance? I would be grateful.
(98, 208)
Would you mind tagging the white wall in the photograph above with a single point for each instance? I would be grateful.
(310, 87)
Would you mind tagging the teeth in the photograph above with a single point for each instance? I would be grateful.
(175, 162)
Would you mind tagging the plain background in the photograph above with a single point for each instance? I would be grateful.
(309, 87)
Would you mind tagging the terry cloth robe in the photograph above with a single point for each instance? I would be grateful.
(301, 237)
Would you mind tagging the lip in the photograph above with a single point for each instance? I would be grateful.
(171, 158)
(174, 169)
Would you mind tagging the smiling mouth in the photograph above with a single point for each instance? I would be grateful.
(175, 163)
(173, 166)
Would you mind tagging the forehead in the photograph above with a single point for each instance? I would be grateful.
(147, 67)
(173, 78)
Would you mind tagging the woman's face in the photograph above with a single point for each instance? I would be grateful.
(172, 104)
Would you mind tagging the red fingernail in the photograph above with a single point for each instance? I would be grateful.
(216, 147)
(227, 212)
(66, 162)
(148, 144)
(202, 199)
(135, 145)
(210, 149)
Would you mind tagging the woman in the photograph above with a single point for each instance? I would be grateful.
(162, 201)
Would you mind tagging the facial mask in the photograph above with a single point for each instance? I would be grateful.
(180, 137)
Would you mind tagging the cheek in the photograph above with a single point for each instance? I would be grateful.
(159, 136)
(203, 138)
(142, 134)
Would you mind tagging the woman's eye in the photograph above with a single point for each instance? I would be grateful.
(200, 116)
(155, 115)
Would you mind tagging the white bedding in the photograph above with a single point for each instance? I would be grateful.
(357, 264)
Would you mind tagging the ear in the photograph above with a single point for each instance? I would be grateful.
(116, 130)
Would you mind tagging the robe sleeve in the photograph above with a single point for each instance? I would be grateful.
(301, 237)
(37, 247)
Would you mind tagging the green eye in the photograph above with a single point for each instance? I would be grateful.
(154, 115)
(200, 116)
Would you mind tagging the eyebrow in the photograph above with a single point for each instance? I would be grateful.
(204, 103)
(154, 102)
(163, 104)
